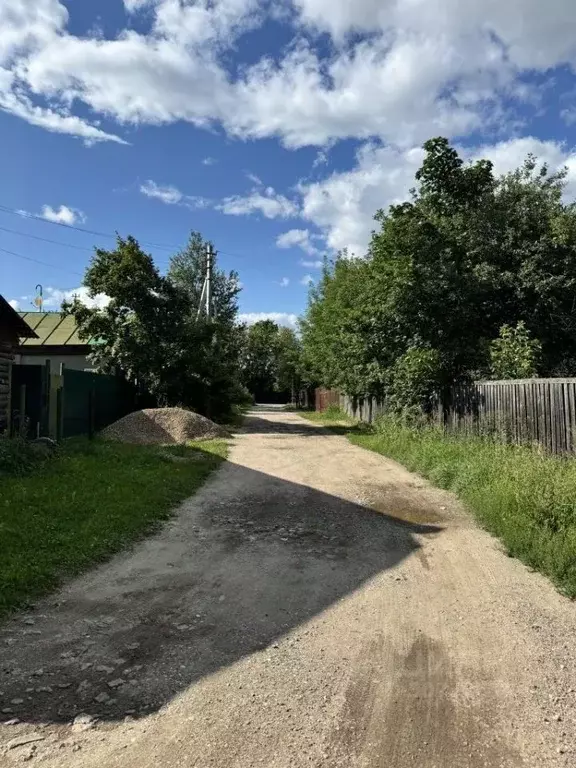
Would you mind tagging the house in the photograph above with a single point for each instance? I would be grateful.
(13, 329)
(56, 339)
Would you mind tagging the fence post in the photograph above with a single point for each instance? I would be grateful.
(59, 413)
(91, 414)
(22, 411)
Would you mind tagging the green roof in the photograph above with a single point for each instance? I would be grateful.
(53, 329)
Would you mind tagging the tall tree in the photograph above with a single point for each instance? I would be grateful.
(150, 333)
(445, 271)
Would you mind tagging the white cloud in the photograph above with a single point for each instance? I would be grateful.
(53, 297)
(426, 67)
(297, 238)
(170, 195)
(343, 205)
(209, 161)
(269, 203)
(15, 304)
(281, 318)
(167, 194)
(317, 264)
(253, 178)
(63, 215)
(284, 282)
(307, 279)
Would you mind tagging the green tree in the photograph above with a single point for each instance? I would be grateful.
(514, 354)
(260, 359)
(466, 255)
(150, 332)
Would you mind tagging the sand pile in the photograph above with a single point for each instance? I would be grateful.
(161, 426)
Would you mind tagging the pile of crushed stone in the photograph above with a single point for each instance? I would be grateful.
(161, 426)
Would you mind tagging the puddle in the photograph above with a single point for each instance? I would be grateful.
(407, 512)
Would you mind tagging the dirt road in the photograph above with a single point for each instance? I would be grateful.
(314, 605)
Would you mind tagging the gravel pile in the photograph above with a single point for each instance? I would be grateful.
(161, 426)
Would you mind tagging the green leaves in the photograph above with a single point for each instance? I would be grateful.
(514, 354)
(468, 254)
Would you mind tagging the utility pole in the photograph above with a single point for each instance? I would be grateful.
(209, 264)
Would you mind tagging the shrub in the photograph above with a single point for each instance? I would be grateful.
(414, 378)
(20, 457)
(514, 354)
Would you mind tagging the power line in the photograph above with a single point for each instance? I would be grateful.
(46, 240)
(6, 209)
(37, 261)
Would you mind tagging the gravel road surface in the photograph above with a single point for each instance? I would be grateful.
(313, 605)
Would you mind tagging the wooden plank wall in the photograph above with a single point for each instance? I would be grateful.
(6, 358)
(538, 412)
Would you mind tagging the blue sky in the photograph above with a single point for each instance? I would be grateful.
(275, 129)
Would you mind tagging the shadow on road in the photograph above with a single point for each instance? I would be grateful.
(249, 559)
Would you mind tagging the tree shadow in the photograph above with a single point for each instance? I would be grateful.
(298, 428)
(248, 559)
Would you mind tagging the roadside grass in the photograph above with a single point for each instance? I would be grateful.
(526, 498)
(89, 501)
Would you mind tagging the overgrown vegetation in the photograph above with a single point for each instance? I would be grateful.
(474, 276)
(19, 457)
(87, 503)
(525, 498)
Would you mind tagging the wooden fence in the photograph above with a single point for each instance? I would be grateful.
(524, 411)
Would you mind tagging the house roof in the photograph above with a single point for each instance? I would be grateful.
(52, 329)
(15, 321)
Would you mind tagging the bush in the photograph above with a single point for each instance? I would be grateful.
(414, 379)
(19, 457)
(514, 354)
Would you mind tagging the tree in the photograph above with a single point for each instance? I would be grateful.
(187, 271)
(271, 361)
(467, 254)
(150, 333)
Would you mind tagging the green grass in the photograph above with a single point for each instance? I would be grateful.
(90, 501)
(525, 498)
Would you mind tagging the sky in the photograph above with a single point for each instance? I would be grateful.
(276, 129)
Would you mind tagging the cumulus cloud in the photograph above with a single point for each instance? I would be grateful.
(15, 304)
(63, 215)
(297, 238)
(307, 279)
(284, 282)
(54, 297)
(209, 161)
(268, 202)
(316, 264)
(281, 318)
(343, 205)
(400, 70)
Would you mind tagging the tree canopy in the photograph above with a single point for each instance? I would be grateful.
(468, 254)
(151, 332)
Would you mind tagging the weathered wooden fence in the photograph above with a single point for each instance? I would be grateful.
(524, 411)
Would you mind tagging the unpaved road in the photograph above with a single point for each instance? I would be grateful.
(313, 605)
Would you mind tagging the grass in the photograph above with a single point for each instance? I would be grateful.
(90, 501)
(525, 498)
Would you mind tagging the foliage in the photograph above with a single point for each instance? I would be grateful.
(89, 502)
(271, 360)
(151, 331)
(468, 254)
(414, 379)
(19, 457)
(520, 495)
(514, 354)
